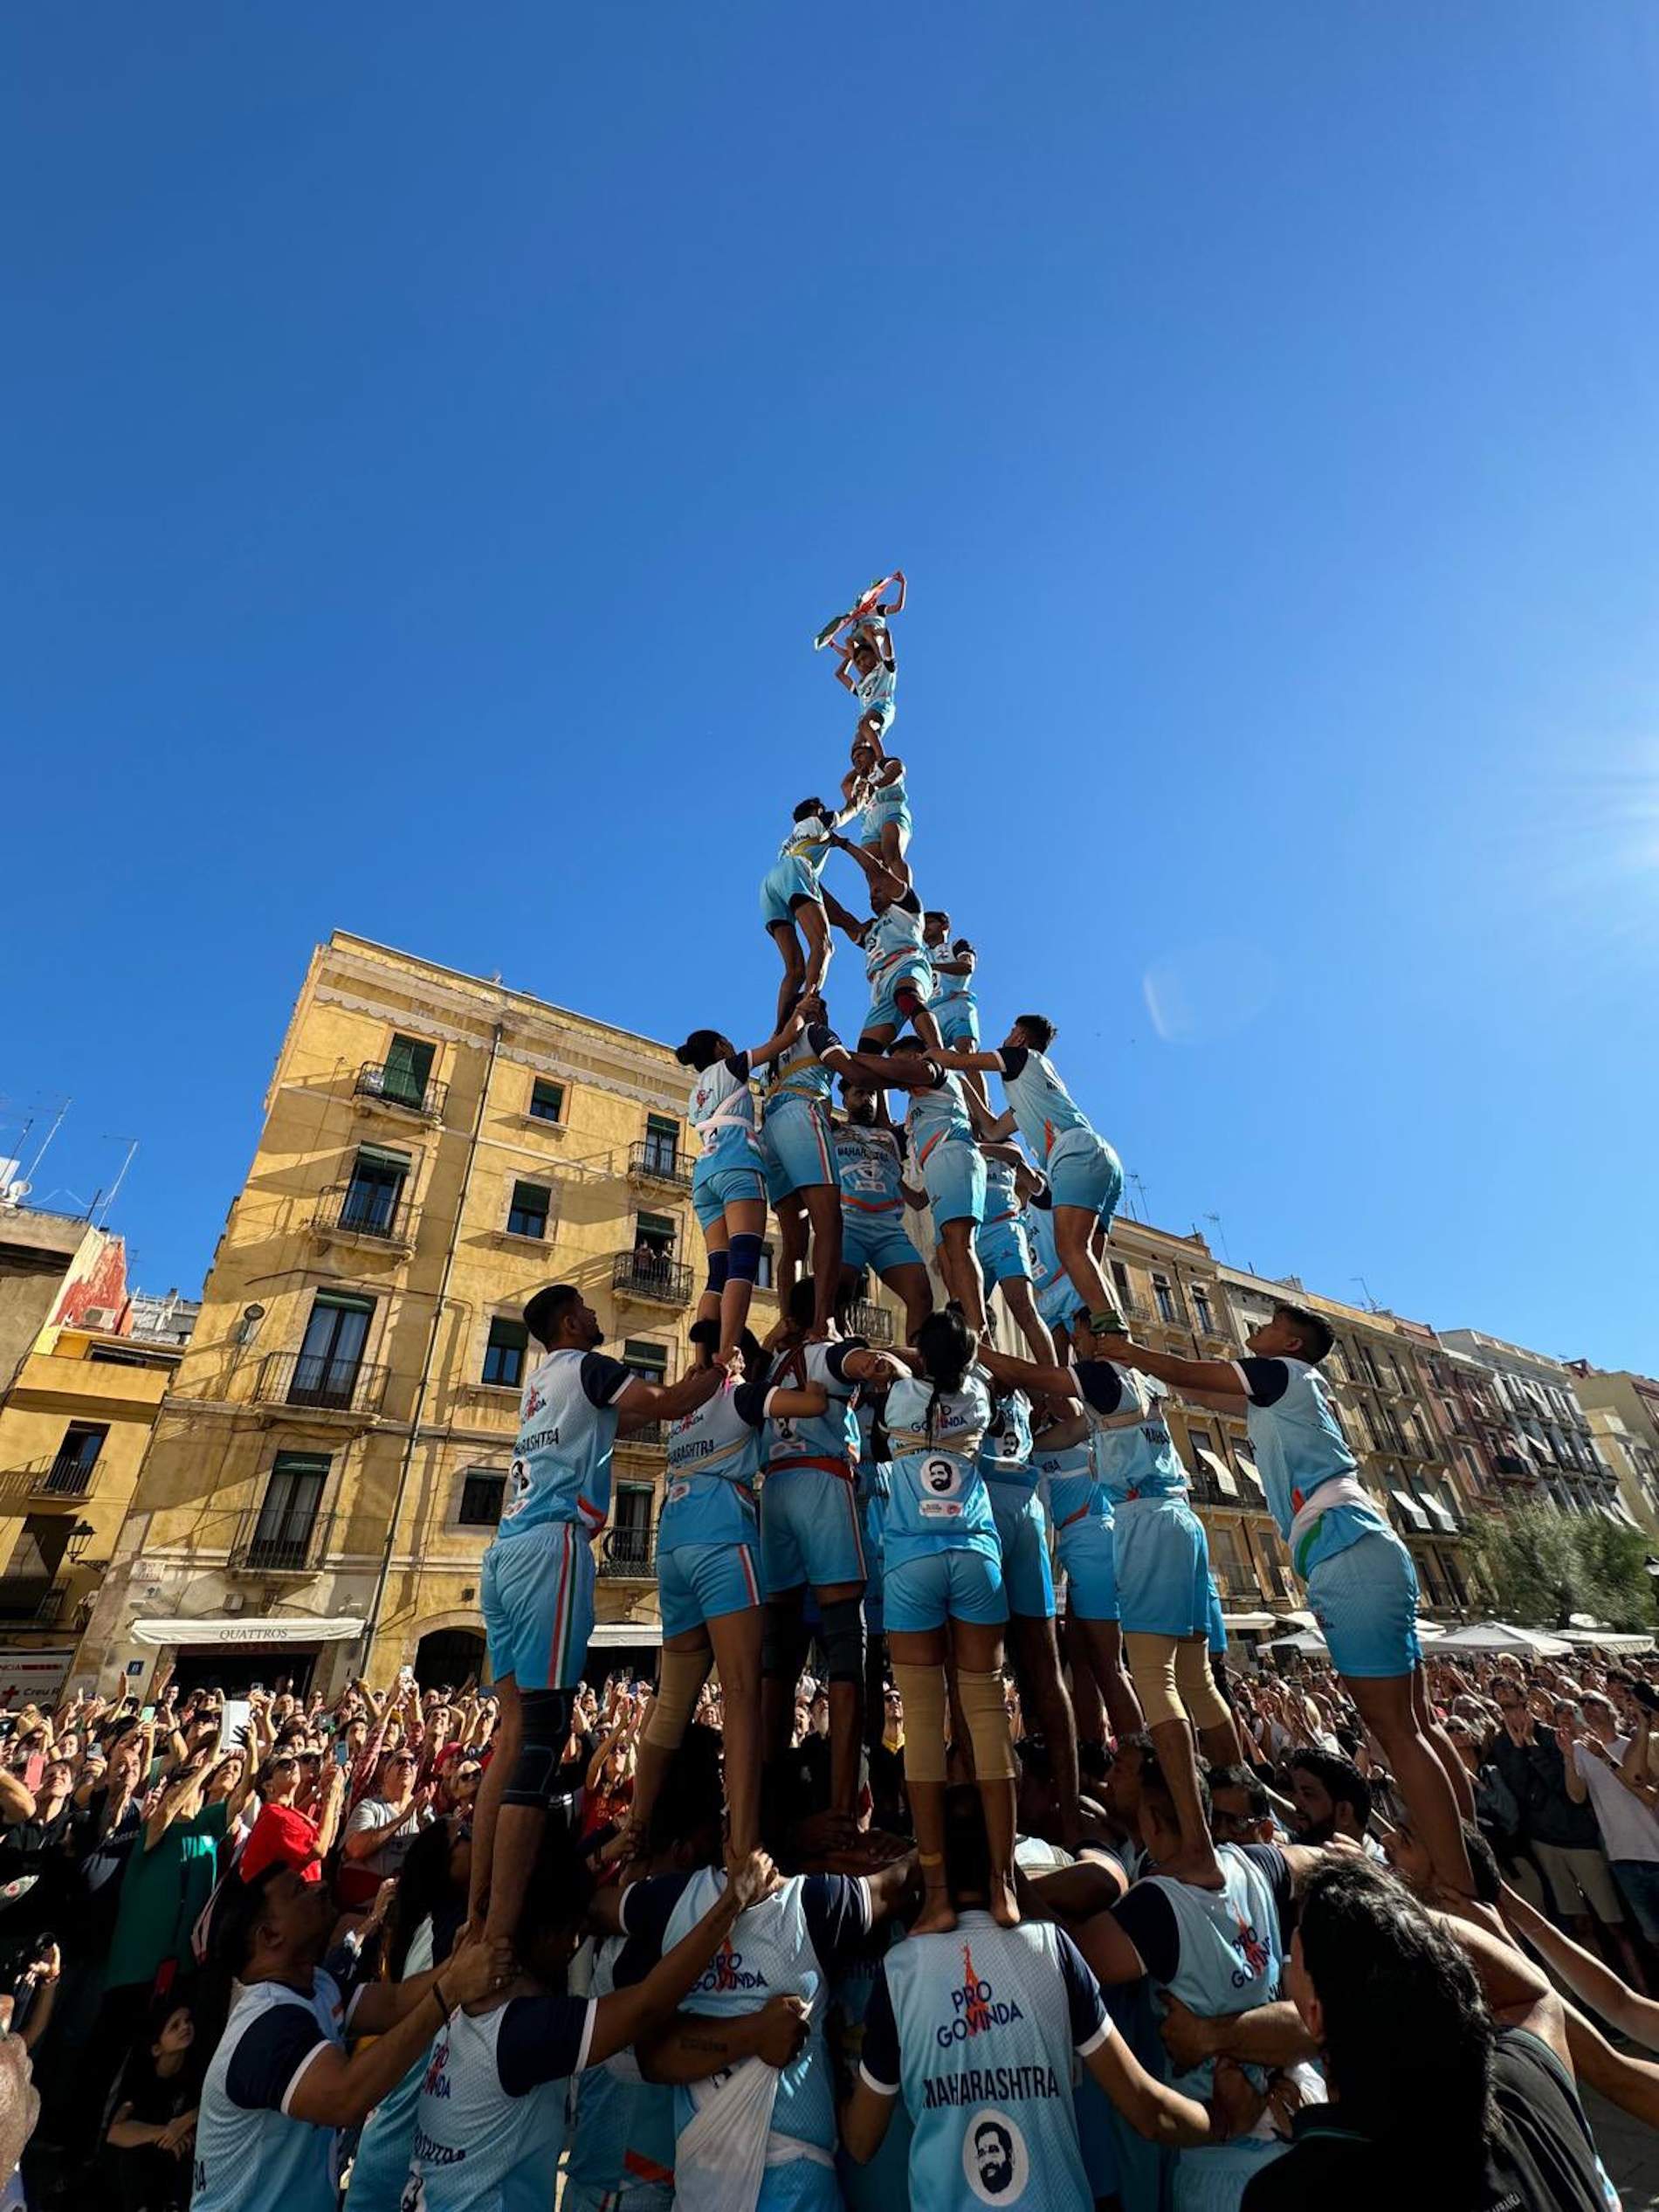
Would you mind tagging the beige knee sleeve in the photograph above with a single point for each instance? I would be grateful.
(1152, 1669)
(679, 1683)
(987, 1724)
(923, 1691)
(1206, 1707)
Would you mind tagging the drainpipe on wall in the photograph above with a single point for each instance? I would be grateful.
(371, 1625)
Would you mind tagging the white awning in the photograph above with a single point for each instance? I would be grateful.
(608, 1634)
(286, 1627)
(1225, 1481)
(1247, 1621)
(1252, 1473)
(1411, 1508)
(1438, 1511)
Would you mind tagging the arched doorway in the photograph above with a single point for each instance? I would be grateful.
(445, 1659)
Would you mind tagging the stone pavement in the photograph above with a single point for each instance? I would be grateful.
(1630, 2151)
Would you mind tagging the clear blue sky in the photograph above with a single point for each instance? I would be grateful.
(433, 435)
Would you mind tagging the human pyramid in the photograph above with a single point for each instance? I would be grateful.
(912, 1510)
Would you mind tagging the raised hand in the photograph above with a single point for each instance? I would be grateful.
(754, 1878)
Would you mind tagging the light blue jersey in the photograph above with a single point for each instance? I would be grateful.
(1056, 1297)
(1136, 1460)
(987, 2019)
(892, 943)
(1043, 1109)
(713, 1466)
(1299, 1446)
(1002, 1195)
(955, 1004)
(379, 2166)
(1067, 1476)
(829, 1440)
(809, 841)
(478, 2146)
(255, 2159)
(798, 1072)
(882, 2184)
(568, 1417)
(939, 1500)
(622, 2140)
(721, 1110)
(869, 1169)
(1005, 1450)
(937, 1115)
(875, 688)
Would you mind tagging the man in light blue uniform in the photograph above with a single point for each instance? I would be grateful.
(869, 1167)
(1079, 1514)
(977, 2031)
(793, 1943)
(896, 963)
(1086, 1176)
(491, 2125)
(811, 1537)
(536, 1589)
(942, 1147)
(279, 2087)
(801, 1173)
(1057, 1302)
(1361, 1585)
(1219, 1950)
(955, 1006)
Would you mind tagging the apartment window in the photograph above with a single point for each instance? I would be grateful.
(376, 1190)
(482, 1493)
(1168, 1309)
(647, 1361)
(629, 1543)
(1228, 1557)
(547, 1100)
(1454, 1580)
(654, 1236)
(1200, 1308)
(325, 1374)
(72, 1469)
(1200, 1439)
(527, 1215)
(288, 1516)
(504, 1353)
(662, 1144)
(111, 1357)
(409, 1070)
(765, 1276)
(1121, 1281)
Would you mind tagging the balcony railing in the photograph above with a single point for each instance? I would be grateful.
(389, 1084)
(866, 1319)
(368, 1210)
(649, 1435)
(653, 1160)
(32, 1598)
(659, 1281)
(319, 1383)
(281, 1543)
(67, 1476)
(627, 1555)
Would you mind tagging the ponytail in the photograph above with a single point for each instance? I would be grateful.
(946, 1343)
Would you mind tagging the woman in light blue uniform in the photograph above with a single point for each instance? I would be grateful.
(792, 901)
(708, 1572)
(728, 1184)
(939, 1137)
(946, 1602)
(1361, 1584)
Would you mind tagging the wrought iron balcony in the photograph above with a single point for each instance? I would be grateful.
(366, 1210)
(319, 1383)
(67, 1476)
(270, 1542)
(649, 1437)
(866, 1319)
(31, 1598)
(627, 1555)
(383, 1083)
(651, 1277)
(654, 1159)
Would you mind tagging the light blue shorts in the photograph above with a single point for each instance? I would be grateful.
(1057, 1301)
(1088, 1559)
(883, 712)
(1022, 1531)
(883, 1011)
(795, 1143)
(698, 1583)
(872, 1510)
(1365, 1600)
(715, 1188)
(809, 1531)
(1085, 1171)
(536, 1595)
(953, 1174)
(925, 1591)
(877, 1241)
(959, 1022)
(1003, 1250)
(1162, 1560)
(789, 883)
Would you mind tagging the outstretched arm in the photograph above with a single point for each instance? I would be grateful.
(670, 1401)
(873, 864)
(1217, 1378)
(841, 916)
(1584, 1975)
(1026, 1375)
(773, 1045)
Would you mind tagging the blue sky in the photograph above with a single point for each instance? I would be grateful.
(434, 435)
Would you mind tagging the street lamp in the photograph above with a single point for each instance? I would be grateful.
(80, 1536)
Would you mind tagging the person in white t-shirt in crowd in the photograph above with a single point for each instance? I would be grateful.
(381, 1829)
(1613, 1772)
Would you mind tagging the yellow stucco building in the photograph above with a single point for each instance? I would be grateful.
(329, 1466)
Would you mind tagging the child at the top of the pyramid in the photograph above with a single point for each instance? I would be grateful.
(866, 666)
